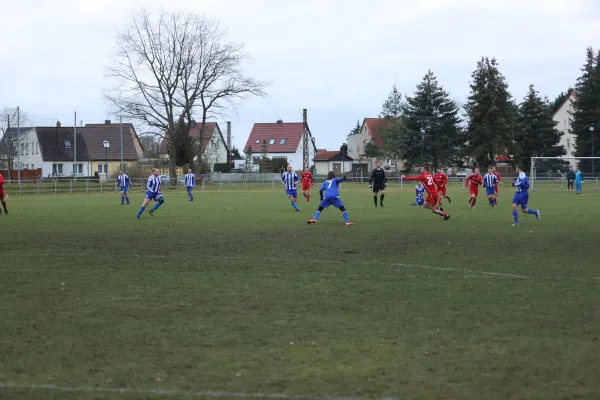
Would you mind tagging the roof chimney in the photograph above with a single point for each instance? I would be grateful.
(280, 121)
(58, 124)
(107, 121)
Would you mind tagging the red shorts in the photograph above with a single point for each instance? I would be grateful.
(496, 188)
(442, 190)
(432, 199)
(474, 192)
(306, 186)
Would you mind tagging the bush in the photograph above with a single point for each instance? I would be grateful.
(278, 163)
(222, 167)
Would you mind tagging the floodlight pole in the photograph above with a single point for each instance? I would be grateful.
(593, 153)
(422, 146)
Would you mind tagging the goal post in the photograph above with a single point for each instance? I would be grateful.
(551, 172)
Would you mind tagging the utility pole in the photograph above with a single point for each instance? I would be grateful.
(75, 147)
(229, 156)
(305, 152)
(17, 141)
(121, 123)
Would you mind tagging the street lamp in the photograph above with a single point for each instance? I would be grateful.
(593, 153)
(106, 146)
(422, 145)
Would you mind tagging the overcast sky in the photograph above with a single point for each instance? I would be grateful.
(337, 58)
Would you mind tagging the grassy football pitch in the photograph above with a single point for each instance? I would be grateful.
(234, 295)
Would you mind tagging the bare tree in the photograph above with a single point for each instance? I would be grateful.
(10, 139)
(168, 67)
(151, 145)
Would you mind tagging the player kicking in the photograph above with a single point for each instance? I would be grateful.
(490, 182)
(152, 193)
(475, 180)
(521, 197)
(432, 200)
(290, 179)
(189, 182)
(419, 195)
(441, 180)
(2, 195)
(497, 175)
(331, 198)
(378, 183)
(307, 183)
(124, 183)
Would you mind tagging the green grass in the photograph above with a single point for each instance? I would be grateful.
(235, 293)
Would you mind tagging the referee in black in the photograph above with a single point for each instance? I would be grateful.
(378, 182)
(570, 179)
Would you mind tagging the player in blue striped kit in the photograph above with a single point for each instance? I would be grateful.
(331, 198)
(152, 193)
(190, 182)
(521, 197)
(124, 183)
(290, 179)
(490, 181)
(419, 195)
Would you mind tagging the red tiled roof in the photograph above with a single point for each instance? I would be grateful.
(290, 131)
(324, 155)
(373, 125)
(209, 128)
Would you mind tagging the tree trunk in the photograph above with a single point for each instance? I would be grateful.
(172, 154)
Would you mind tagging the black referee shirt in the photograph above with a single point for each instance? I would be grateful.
(378, 176)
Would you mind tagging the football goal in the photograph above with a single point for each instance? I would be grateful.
(552, 173)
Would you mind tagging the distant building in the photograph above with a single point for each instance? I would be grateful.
(369, 131)
(562, 117)
(335, 161)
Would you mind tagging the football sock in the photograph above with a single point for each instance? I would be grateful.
(122, 199)
(156, 205)
(515, 214)
(127, 199)
(532, 212)
(474, 201)
(381, 200)
(141, 210)
(491, 200)
(375, 200)
(345, 214)
(495, 201)
(294, 205)
(4, 205)
(317, 215)
(308, 197)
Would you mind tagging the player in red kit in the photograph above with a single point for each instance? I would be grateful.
(2, 195)
(473, 182)
(441, 180)
(432, 199)
(496, 186)
(307, 183)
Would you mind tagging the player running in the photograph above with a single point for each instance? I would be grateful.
(190, 181)
(578, 181)
(441, 180)
(497, 175)
(331, 198)
(124, 183)
(475, 180)
(2, 195)
(152, 193)
(490, 182)
(378, 182)
(521, 197)
(419, 195)
(432, 200)
(290, 179)
(307, 183)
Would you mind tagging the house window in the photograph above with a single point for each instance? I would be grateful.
(101, 168)
(568, 143)
(27, 148)
(271, 141)
(282, 141)
(256, 159)
(37, 148)
(32, 167)
(78, 168)
(392, 162)
(257, 141)
(57, 169)
(67, 144)
(22, 149)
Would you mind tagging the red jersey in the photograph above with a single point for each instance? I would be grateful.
(307, 179)
(497, 175)
(427, 180)
(476, 180)
(1, 180)
(440, 181)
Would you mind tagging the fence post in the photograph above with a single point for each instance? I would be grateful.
(220, 182)
(100, 180)
(596, 188)
(87, 188)
(54, 186)
(273, 187)
(37, 184)
(20, 188)
(71, 187)
(401, 184)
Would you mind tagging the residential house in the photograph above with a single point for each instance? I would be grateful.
(335, 161)
(369, 131)
(282, 140)
(562, 117)
(51, 151)
(214, 146)
(96, 134)
(10, 145)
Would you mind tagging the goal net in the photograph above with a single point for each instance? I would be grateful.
(552, 173)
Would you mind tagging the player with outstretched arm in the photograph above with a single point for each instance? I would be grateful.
(331, 198)
(432, 200)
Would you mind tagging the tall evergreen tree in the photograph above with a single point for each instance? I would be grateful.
(432, 110)
(536, 134)
(491, 113)
(356, 129)
(344, 148)
(586, 110)
(391, 131)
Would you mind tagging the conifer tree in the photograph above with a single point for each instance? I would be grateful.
(536, 134)
(432, 110)
(391, 130)
(491, 113)
(560, 99)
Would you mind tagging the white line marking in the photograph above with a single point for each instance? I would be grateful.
(177, 392)
(401, 265)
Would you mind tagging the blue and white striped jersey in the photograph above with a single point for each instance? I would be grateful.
(190, 180)
(123, 181)
(153, 184)
(419, 193)
(489, 180)
(290, 180)
(522, 183)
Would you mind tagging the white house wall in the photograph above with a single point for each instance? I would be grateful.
(216, 150)
(29, 158)
(67, 169)
(562, 118)
(323, 167)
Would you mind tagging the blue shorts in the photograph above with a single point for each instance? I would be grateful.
(153, 196)
(189, 188)
(490, 190)
(124, 189)
(521, 199)
(420, 202)
(291, 193)
(331, 201)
